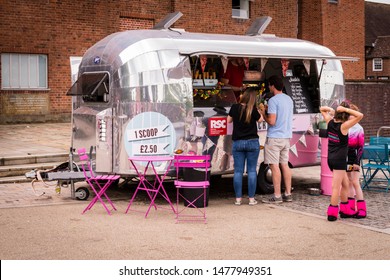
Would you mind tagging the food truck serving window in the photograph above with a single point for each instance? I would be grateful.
(92, 86)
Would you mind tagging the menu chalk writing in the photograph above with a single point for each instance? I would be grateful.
(297, 90)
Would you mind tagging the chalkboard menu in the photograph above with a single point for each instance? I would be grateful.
(297, 90)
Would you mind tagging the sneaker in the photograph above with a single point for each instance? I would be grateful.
(253, 202)
(237, 202)
(287, 197)
(273, 200)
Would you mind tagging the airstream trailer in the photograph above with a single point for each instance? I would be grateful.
(147, 92)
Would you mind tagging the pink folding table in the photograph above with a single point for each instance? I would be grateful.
(152, 181)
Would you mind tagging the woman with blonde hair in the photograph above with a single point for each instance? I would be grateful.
(246, 146)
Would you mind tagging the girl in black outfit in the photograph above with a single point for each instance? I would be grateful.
(338, 127)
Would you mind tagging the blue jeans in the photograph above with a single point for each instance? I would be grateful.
(245, 150)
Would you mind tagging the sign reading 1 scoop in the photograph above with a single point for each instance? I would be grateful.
(150, 133)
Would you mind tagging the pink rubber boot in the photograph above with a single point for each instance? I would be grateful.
(332, 213)
(352, 203)
(361, 209)
(346, 211)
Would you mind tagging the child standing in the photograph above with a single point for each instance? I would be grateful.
(355, 152)
(338, 127)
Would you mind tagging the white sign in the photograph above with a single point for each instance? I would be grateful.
(147, 133)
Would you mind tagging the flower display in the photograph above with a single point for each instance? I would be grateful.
(207, 93)
(260, 97)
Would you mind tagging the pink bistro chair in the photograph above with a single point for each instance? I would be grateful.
(194, 209)
(98, 183)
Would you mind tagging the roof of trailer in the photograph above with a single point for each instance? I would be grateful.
(118, 48)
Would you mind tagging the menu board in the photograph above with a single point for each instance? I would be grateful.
(297, 90)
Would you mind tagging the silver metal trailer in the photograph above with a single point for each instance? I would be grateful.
(137, 94)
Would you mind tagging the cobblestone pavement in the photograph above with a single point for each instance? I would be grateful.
(378, 205)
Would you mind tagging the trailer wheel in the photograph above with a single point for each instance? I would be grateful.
(82, 193)
(264, 180)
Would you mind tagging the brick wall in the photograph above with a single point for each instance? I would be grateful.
(310, 23)
(373, 100)
(339, 27)
(61, 29)
(202, 16)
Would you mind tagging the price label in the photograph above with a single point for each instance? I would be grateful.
(150, 149)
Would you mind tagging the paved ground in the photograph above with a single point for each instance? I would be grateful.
(51, 226)
(34, 139)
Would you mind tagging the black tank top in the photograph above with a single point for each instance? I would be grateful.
(337, 142)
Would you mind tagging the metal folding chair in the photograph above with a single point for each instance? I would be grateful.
(194, 206)
(379, 140)
(98, 183)
(375, 162)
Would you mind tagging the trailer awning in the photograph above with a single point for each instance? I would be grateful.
(262, 46)
(345, 58)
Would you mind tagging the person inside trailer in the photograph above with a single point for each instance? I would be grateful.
(234, 75)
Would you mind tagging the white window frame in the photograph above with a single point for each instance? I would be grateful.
(377, 64)
(243, 11)
(21, 71)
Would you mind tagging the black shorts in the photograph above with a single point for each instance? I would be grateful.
(337, 164)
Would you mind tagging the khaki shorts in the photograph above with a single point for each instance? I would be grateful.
(276, 150)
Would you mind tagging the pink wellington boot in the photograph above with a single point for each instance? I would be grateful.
(332, 213)
(346, 211)
(361, 209)
(352, 203)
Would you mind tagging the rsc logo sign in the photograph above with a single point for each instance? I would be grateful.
(217, 126)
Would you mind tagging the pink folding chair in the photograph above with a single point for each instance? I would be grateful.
(194, 209)
(98, 183)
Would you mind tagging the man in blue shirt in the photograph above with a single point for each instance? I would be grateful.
(277, 145)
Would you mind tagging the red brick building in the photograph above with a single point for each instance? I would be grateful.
(44, 34)
(339, 25)
(377, 41)
(378, 59)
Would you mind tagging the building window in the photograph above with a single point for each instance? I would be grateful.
(23, 71)
(377, 64)
(333, 1)
(383, 77)
(240, 9)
